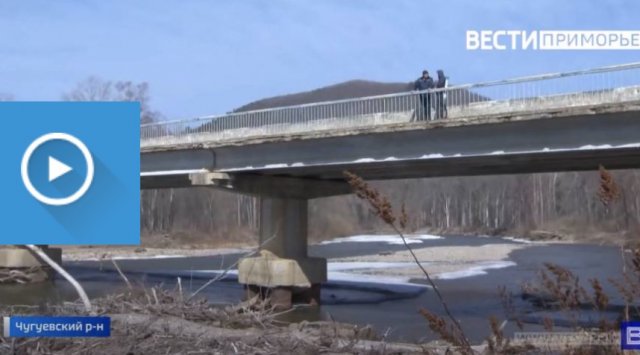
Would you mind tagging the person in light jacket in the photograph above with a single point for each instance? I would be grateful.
(441, 96)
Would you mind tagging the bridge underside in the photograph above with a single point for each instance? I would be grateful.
(578, 160)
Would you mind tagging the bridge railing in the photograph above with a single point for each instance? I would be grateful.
(528, 94)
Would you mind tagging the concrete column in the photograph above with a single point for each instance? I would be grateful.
(283, 272)
(283, 227)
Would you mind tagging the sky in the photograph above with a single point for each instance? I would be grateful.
(209, 57)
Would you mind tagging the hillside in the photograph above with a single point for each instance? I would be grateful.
(345, 90)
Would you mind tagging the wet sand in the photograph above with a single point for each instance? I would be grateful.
(438, 261)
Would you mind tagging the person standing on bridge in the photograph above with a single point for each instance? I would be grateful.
(423, 112)
(441, 96)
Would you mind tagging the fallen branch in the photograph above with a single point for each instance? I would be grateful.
(65, 274)
(124, 277)
(226, 271)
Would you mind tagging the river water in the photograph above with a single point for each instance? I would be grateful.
(390, 306)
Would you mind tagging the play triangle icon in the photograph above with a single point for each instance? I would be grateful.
(57, 169)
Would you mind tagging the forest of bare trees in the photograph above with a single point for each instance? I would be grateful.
(566, 204)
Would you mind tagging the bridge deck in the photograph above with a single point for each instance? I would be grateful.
(627, 99)
(466, 104)
(522, 134)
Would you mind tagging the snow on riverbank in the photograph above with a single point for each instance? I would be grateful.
(476, 270)
(453, 260)
(442, 262)
(388, 239)
(396, 273)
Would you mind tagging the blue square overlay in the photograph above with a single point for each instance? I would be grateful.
(109, 211)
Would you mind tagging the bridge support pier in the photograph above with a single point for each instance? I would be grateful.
(283, 272)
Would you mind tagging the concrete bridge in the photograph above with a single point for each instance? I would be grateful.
(288, 155)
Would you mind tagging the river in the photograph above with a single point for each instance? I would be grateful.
(390, 304)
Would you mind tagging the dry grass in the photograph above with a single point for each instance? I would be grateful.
(609, 190)
(450, 331)
(557, 287)
(159, 321)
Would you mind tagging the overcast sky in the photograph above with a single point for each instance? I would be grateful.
(208, 57)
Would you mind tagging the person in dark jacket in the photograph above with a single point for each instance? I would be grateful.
(423, 112)
(441, 96)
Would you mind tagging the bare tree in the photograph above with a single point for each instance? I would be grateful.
(97, 89)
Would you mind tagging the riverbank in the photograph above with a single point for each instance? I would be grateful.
(96, 253)
(155, 320)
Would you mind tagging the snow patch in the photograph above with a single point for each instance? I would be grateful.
(364, 160)
(356, 265)
(275, 166)
(589, 146)
(431, 156)
(476, 270)
(389, 239)
(630, 145)
(173, 172)
(338, 271)
(520, 240)
(378, 279)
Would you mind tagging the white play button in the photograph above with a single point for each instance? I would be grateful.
(57, 168)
